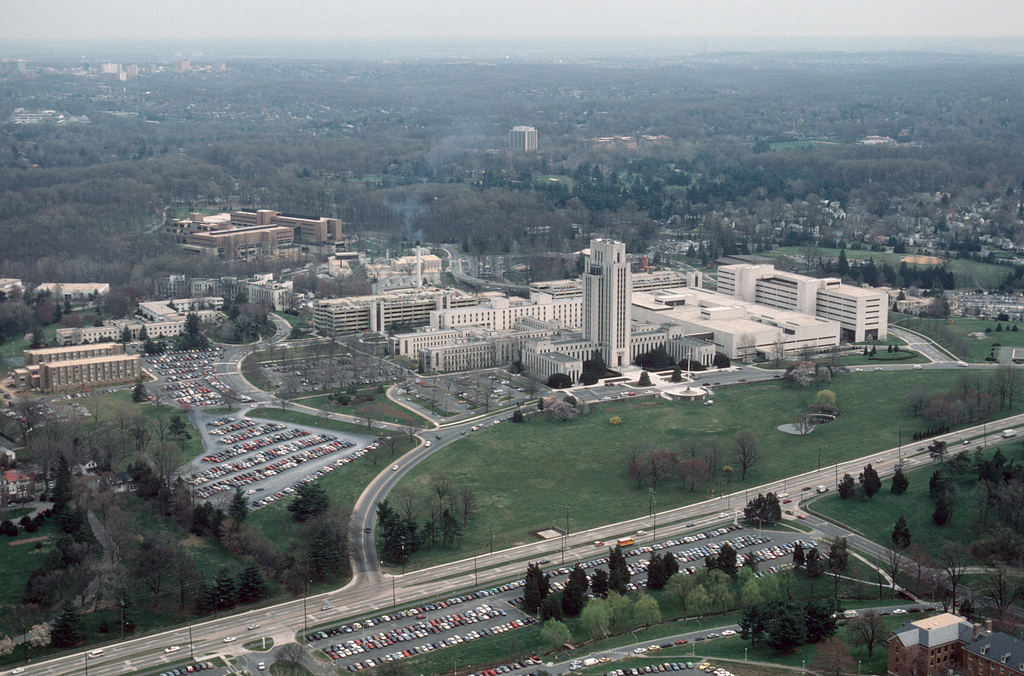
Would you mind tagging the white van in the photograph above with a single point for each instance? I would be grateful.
(93, 654)
(1009, 434)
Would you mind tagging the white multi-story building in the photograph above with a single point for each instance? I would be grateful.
(522, 138)
(335, 316)
(861, 313)
(607, 301)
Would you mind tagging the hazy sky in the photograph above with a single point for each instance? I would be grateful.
(188, 20)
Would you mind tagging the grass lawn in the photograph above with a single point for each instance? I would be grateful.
(969, 274)
(381, 408)
(260, 645)
(497, 649)
(208, 553)
(977, 350)
(580, 465)
(19, 556)
(882, 358)
(875, 518)
(301, 418)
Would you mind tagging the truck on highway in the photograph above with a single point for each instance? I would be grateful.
(591, 661)
(625, 542)
(822, 488)
(1009, 434)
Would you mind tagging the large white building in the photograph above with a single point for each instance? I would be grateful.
(522, 138)
(757, 312)
(861, 313)
(607, 301)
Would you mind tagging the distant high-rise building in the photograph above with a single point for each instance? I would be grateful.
(608, 301)
(522, 138)
(185, 65)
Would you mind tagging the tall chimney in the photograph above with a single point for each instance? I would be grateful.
(419, 269)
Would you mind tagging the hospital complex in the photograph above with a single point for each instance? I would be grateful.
(756, 311)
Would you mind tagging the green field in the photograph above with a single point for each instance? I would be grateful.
(977, 349)
(19, 556)
(969, 274)
(526, 476)
(381, 409)
(875, 518)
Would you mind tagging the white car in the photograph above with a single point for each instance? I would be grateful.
(326, 607)
(229, 639)
(899, 611)
(172, 649)
(253, 626)
(427, 444)
(395, 468)
(728, 632)
(261, 666)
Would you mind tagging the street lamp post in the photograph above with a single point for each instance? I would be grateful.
(305, 614)
(87, 664)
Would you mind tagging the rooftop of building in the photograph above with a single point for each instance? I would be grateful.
(999, 647)
(935, 631)
(733, 314)
(43, 351)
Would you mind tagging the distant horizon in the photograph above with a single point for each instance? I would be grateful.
(526, 49)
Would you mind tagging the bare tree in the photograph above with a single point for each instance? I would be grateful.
(748, 346)
(832, 658)
(747, 451)
(406, 500)
(779, 350)
(289, 654)
(868, 631)
(441, 485)
(366, 416)
(467, 503)
(713, 450)
(1003, 585)
(803, 424)
(917, 398)
(952, 559)
(894, 561)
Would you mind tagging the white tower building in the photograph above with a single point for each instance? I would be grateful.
(607, 301)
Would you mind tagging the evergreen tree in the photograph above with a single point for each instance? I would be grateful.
(677, 374)
(799, 556)
(310, 500)
(67, 628)
(900, 482)
(239, 508)
(900, 534)
(786, 630)
(599, 585)
(847, 486)
(843, 266)
(143, 333)
(618, 571)
(645, 379)
(819, 622)
(62, 491)
(574, 596)
(869, 481)
(813, 563)
(754, 622)
(251, 584)
(126, 335)
(551, 608)
(323, 559)
(139, 393)
(225, 587)
(536, 588)
(517, 416)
